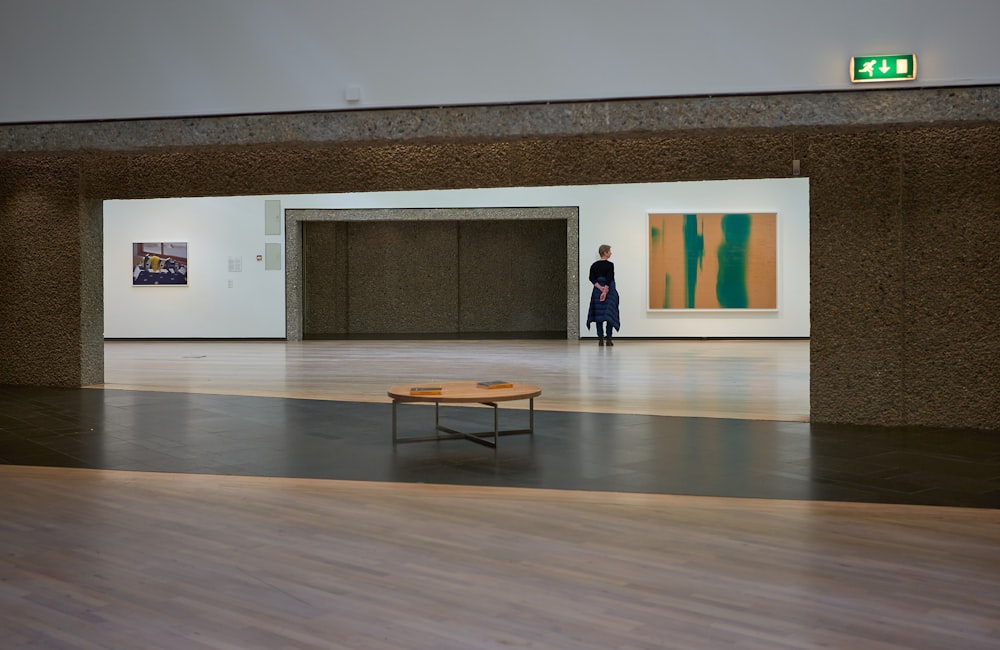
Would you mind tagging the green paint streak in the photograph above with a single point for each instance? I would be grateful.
(731, 286)
(666, 291)
(655, 234)
(694, 251)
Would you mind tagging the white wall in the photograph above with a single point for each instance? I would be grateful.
(103, 59)
(218, 228)
(618, 217)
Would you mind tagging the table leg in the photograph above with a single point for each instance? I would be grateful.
(481, 437)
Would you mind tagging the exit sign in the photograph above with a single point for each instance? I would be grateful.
(884, 67)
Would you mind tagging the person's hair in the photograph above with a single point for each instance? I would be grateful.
(604, 248)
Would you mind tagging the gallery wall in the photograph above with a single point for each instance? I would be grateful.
(107, 59)
(229, 293)
(250, 303)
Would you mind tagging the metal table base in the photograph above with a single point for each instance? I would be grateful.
(478, 437)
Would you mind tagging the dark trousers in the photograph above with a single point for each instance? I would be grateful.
(602, 327)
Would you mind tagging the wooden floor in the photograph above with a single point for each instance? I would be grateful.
(758, 380)
(113, 559)
(96, 559)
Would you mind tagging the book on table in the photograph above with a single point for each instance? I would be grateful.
(495, 384)
(425, 390)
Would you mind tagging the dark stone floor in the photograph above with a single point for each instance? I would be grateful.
(255, 436)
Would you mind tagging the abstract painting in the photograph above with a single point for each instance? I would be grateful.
(713, 261)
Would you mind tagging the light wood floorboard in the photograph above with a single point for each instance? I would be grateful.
(757, 380)
(100, 559)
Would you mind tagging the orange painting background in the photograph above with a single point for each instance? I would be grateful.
(666, 257)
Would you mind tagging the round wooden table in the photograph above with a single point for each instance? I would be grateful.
(464, 392)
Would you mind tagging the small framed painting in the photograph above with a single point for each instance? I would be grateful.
(160, 264)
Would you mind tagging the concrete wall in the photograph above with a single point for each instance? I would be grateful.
(906, 251)
(904, 204)
(435, 272)
(51, 305)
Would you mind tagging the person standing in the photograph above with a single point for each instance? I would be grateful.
(604, 298)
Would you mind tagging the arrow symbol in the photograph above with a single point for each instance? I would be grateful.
(885, 67)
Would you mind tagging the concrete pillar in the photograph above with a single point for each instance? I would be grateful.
(51, 276)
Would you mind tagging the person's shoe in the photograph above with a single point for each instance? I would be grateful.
(600, 341)
(610, 342)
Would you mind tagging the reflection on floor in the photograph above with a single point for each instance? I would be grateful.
(261, 436)
(754, 380)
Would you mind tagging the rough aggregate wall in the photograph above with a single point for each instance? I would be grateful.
(512, 276)
(91, 339)
(856, 307)
(409, 277)
(51, 276)
(392, 271)
(351, 168)
(950, 211)
(905, 239)
(324, 248)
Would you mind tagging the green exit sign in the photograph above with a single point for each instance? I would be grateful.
(884, 67)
